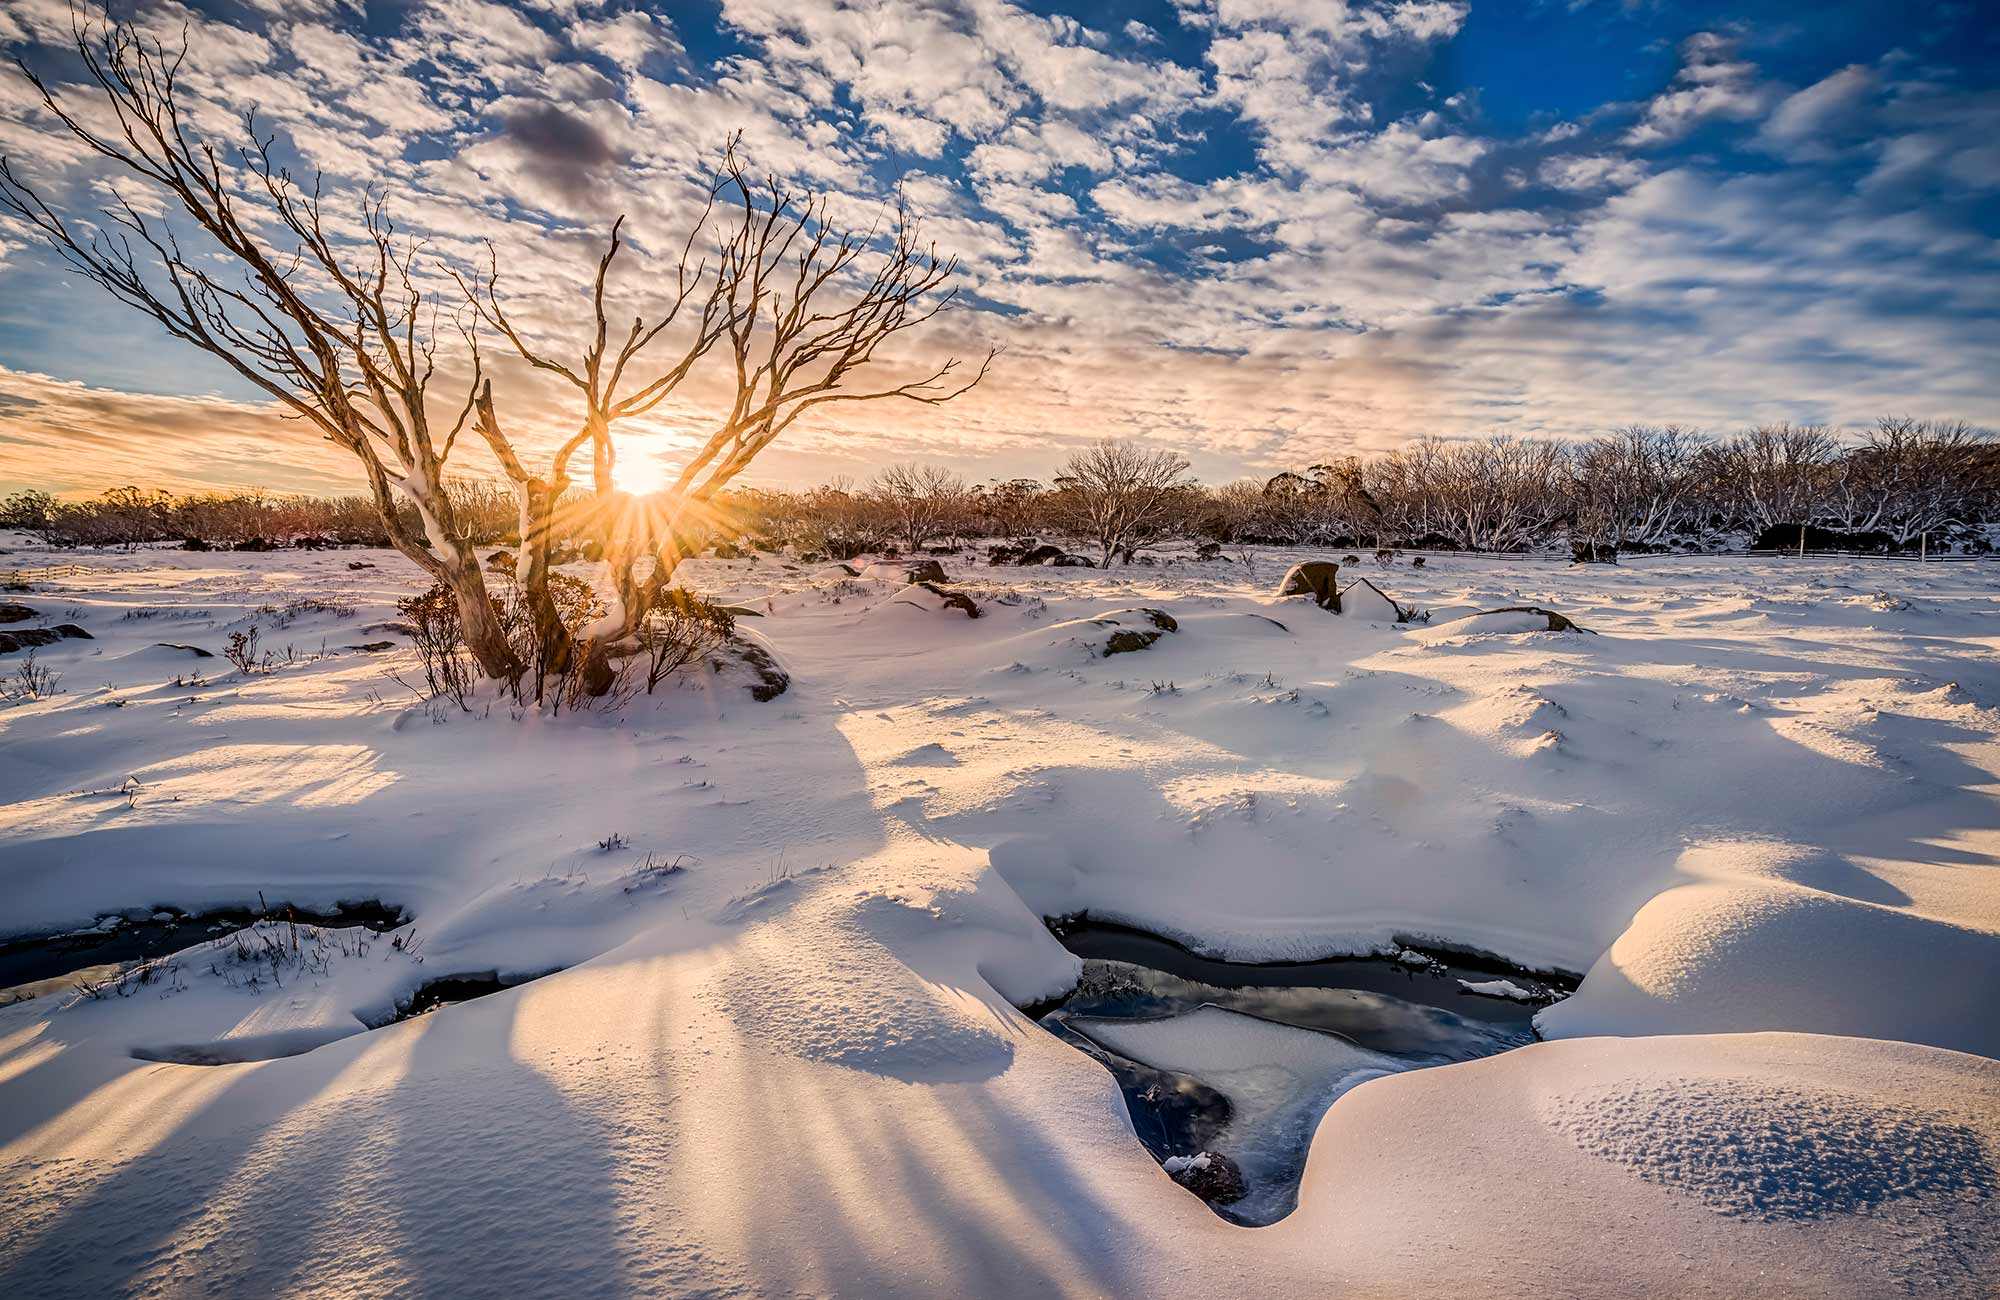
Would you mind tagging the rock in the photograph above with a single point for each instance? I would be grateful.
(359, 564)
(12, 612)
(1363, 599)
(255, 544)
(29, 637)
(194, 650)
(196, 544)
(1210, 1175)
(400, 629)
(1043, 554)
(373, 647)
(727, 551)
(906, 571)
(1319, 579)
(1005, 553)
(1515, 619)
(1209, 551)
(1067, 561)
(1417, 563)
(928, 595)
(1582, 552)
(767, 681)
(1129, 631)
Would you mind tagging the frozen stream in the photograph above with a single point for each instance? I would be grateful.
(1226, 1068)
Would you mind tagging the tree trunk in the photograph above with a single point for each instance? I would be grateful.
(531, 574)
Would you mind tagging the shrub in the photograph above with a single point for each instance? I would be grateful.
(681, 628)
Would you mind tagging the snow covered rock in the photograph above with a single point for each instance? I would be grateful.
(906, 571)
(1118, 631)
(1363, 599)
(1319, 579)
(1514, 619)
(930, 596)
(12, 611)
(29, 637)
(1209, 1174)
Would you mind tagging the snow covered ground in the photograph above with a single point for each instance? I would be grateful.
(1760, 806)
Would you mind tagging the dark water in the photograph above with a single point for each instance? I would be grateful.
(449, 991)
(37, 963)
(1410, 1013)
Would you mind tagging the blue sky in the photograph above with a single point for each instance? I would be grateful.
(1262, 232)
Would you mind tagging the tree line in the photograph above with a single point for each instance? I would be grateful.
(1641, 488)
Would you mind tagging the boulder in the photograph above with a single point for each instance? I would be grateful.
(1319, 579)
(930, 596)
(906, 571)
(1363, 599)
(194, 650)
(1515, 619)
(745, 658)
(1120, 631)
(1067, 561)
(1043, 554)
(14, 612)
(29, 637)
(357, 565)
(373, 647)
(1209, 1174)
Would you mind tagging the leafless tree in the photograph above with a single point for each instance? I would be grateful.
(1118, 494)
(1777, 473)
(1635, 486)
(798, 310)
(923, 499)
(1910, 477)
(342, 335)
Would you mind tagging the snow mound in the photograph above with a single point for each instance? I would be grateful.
(1736, 956)
(1117, 631)
(1773, 1151)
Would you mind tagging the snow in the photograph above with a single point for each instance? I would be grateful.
(1758, 808)
(1498, 989)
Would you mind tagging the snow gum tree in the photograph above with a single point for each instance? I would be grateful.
(341, 332)
(1118, 495)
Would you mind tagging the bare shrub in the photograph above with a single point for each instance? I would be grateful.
(440, 642)
(680, 629)
(241, 651)
(30, 680)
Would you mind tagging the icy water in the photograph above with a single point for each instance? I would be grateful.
(35, 964)
(1241, 1060)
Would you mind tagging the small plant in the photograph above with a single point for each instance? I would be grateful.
(681, 628)
(612, 843)
(241, 651)
(1164, 688)
(440, 642)
(30, 680)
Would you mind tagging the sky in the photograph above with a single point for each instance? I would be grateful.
(1258, 232)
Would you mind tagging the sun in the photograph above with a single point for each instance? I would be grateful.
(641, 468)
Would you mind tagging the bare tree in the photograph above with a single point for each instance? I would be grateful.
(1910, 477)
(342, 336)
(1777, 473)
(924, 499)
(1633, 487)
(774, 308)
(1118, 494)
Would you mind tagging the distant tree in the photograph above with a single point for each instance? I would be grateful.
(1120, 495)
(1634, 487)
(924, 500)
(1776, 473)
(1910, 477)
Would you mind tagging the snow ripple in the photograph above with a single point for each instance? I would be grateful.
(1774, 1152)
